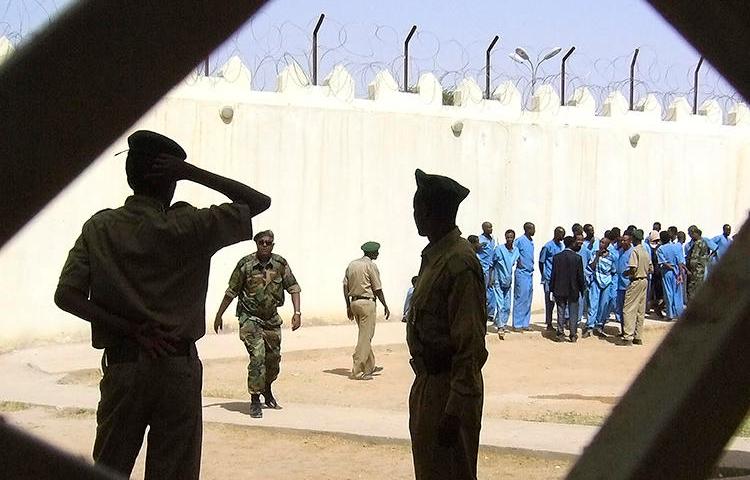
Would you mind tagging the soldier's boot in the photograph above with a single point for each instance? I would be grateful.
(255, 409)
(270, 400)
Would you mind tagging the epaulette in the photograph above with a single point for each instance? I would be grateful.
(280, 259)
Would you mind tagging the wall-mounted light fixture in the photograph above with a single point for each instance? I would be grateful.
(226, 114)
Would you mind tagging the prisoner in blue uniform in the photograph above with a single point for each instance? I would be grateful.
(602, 269)
(486, 255)
(669, 257)
(523, 290)
(607, 305)
(505, 257)
(591, 246)
(722, 243)
(549, 250)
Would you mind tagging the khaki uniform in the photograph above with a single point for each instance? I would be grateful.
(362, 279)
(634, 309)
(445, 333)
(144, 263)
(260, 288)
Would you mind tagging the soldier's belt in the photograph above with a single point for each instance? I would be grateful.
(129, 352)
(362, 298)
(434, 367)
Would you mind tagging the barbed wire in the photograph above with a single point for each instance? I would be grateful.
(366, 49)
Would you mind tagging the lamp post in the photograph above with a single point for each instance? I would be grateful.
(522, 57)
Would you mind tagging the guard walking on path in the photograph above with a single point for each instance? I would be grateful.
(445, 334)
(259, 281)
(362, 287)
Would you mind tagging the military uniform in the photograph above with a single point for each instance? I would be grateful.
(634, 304)
(143, 262)
(362, 280)
(445, 334)
(260, 288)
(697, 262)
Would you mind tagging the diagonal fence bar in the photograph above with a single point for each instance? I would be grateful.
(80, 83)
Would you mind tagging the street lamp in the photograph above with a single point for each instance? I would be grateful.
(522, 57)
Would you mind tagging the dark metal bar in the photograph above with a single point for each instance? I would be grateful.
(315, 49)
(487, 67)
(406, 57)
(562, 75)
(206, 66)
(695, 86)
(632, 76)
(84, 80)
(24, 456)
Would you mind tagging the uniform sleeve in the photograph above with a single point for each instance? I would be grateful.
(633, 260)
(236, 281)
(289, 282)
(345, 282)
(76, 272)
(221, 225)
(543, 254)
(661, 256)
(375, 277)
(467, 316)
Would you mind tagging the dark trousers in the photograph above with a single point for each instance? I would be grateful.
(163, 394)
(571, 304)
(548, 306)
(432, 461)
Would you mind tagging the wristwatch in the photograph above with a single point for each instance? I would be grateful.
(298, 313)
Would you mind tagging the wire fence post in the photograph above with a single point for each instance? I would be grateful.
(487, 67)
(562, 75)
(205, 66)
(632, 77)
(695, 86)
(406, 57)
(315, 49)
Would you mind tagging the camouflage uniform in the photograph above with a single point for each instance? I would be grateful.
(445, 334)
(260, 289)
(697, 262)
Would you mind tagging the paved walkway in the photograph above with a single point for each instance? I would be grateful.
(31, 376)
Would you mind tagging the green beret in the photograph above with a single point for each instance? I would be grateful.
(370, 247)
(440, 189)
(151, 144)
(638, 234)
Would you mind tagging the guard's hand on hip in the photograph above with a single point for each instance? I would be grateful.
(448, 430)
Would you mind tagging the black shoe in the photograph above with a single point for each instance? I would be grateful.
(270, 400)
(560, 338)
(624, 343)
(501, 334)
(528, 329)
(586, 333)
(376, 369)
(600, 333)
(255, 409)
(637, 341)
(573, 339)
(550, 328)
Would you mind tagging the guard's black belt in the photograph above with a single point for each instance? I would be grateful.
(362, 298)
(129, 352)
(640, 278)
(436, 366)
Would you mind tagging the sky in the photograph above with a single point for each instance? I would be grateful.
(451, 41)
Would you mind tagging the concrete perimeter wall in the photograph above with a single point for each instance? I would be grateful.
(340, 172)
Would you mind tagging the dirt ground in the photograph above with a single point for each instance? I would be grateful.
(527, 377)
(231, 451)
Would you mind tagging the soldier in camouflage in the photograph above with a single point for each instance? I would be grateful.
(259, 281)
(697, 261)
